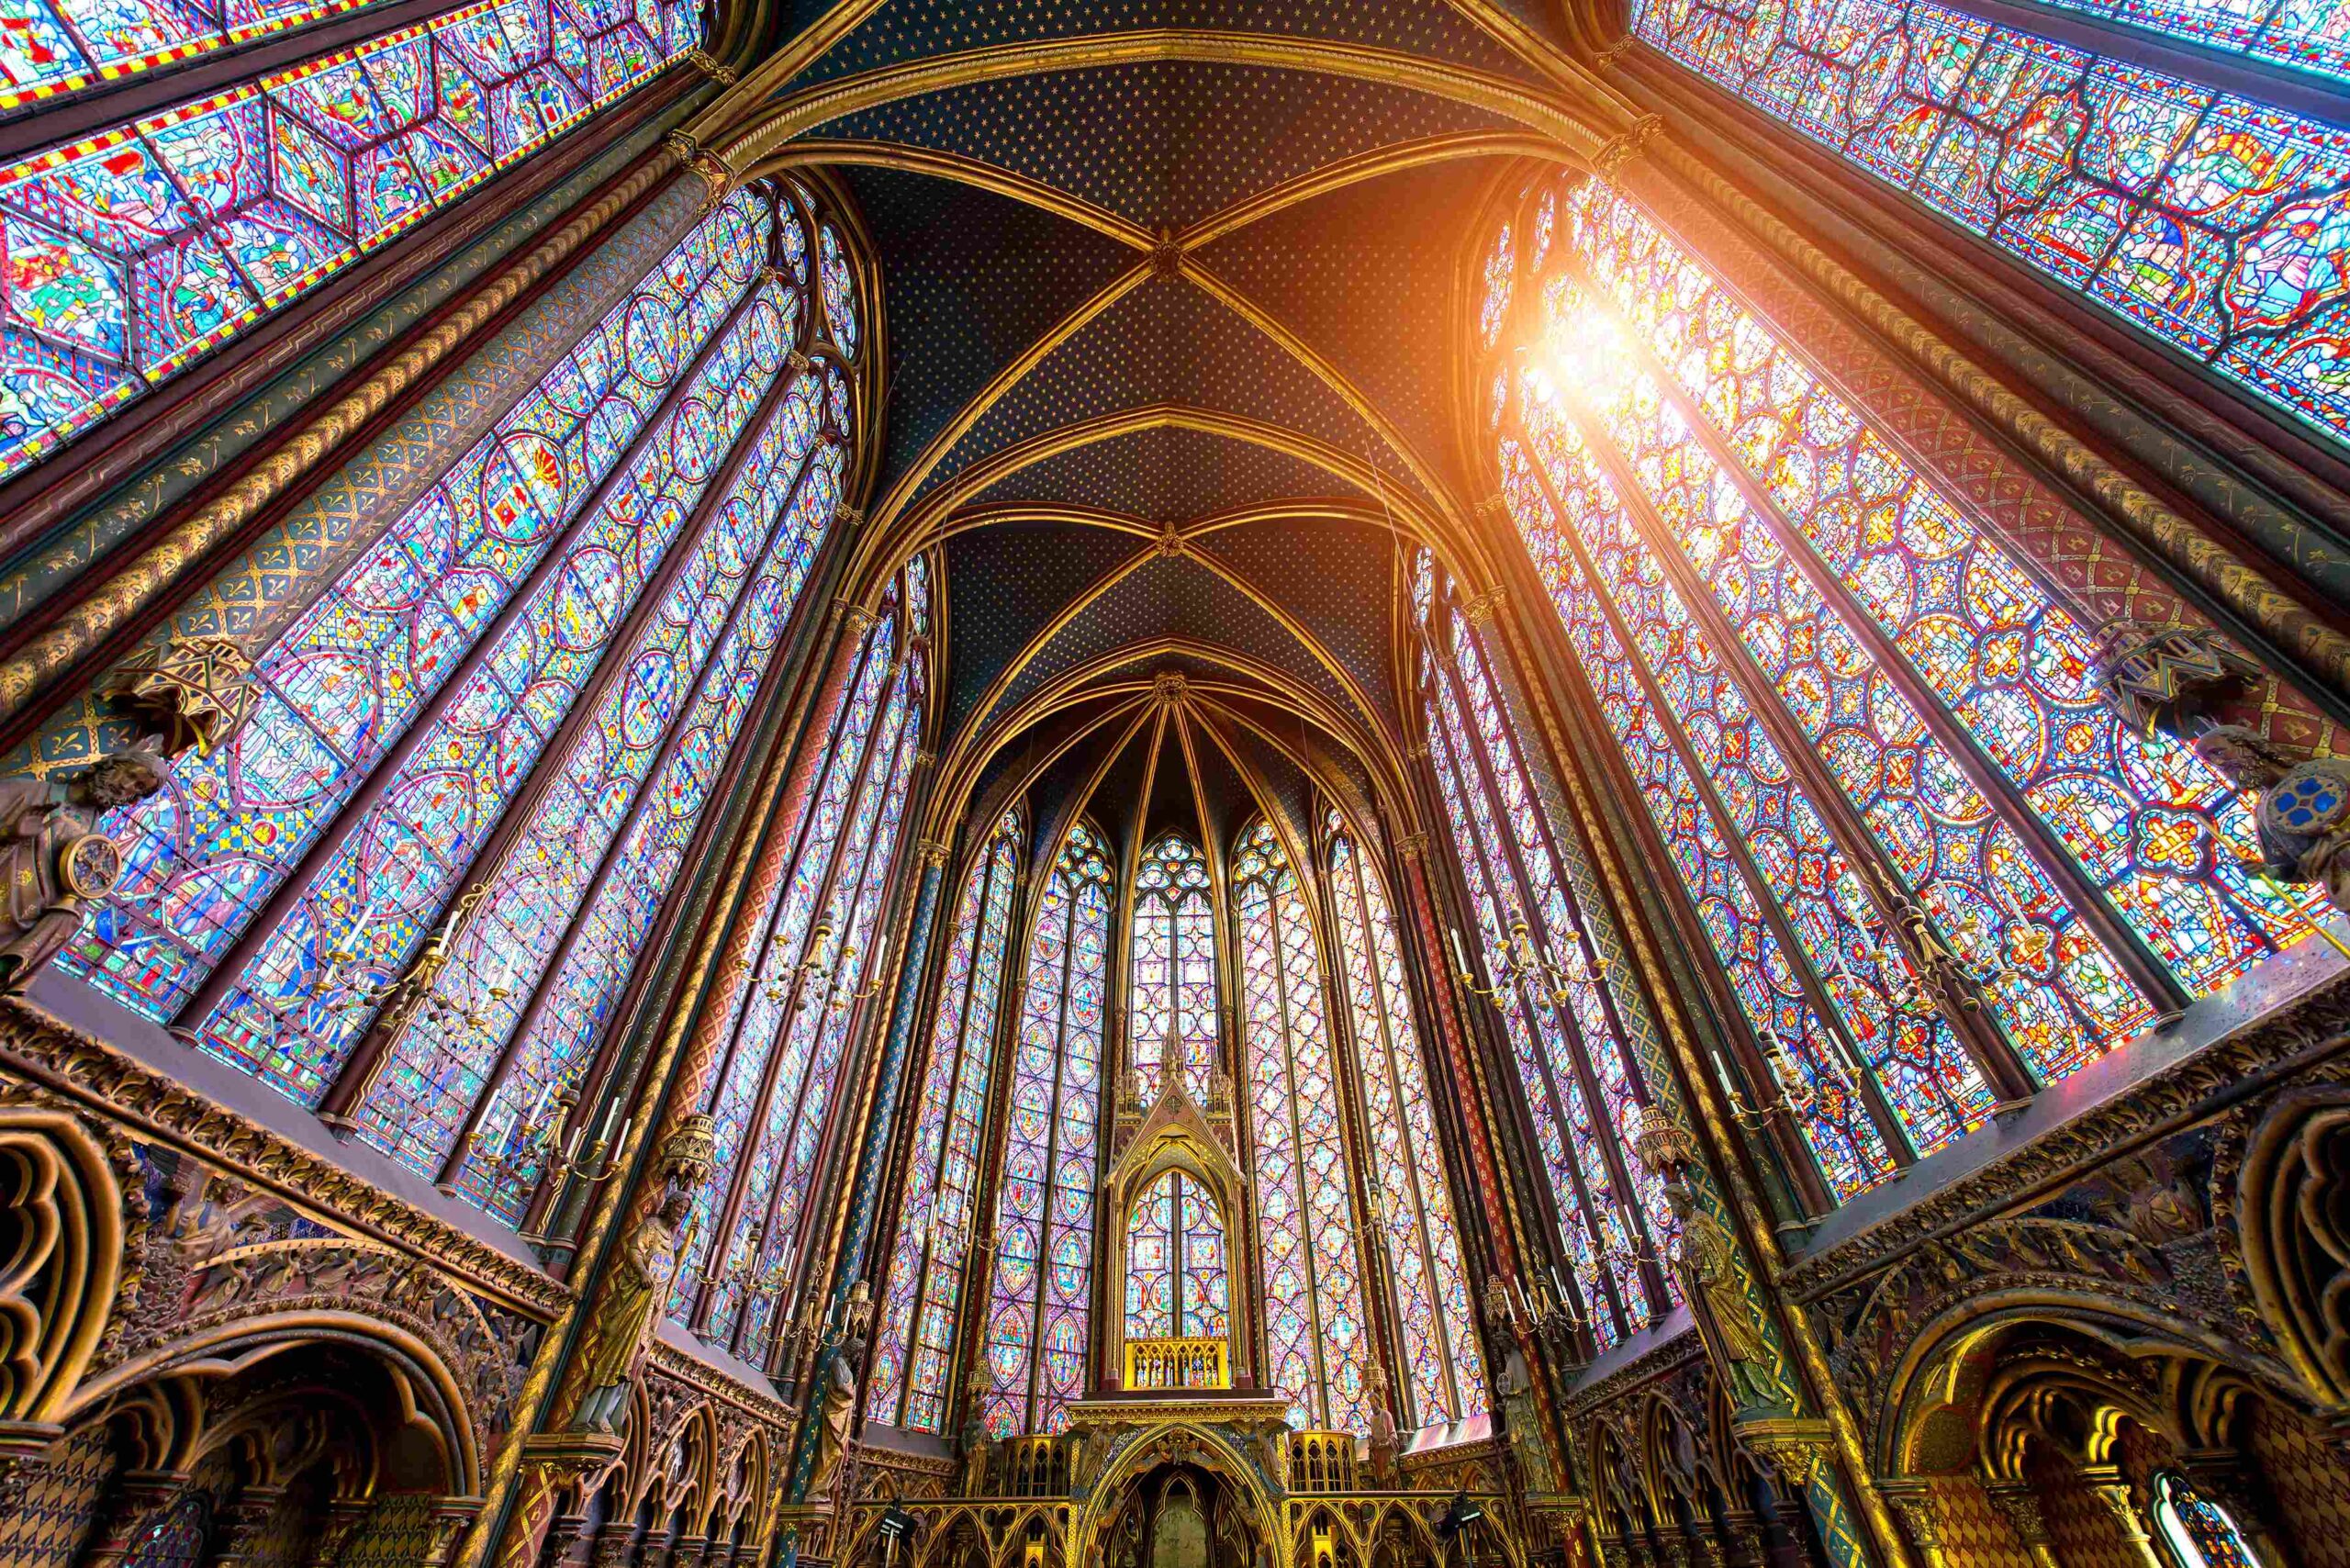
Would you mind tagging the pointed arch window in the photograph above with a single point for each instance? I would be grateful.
(1936, 866)
(2198, 217)
(141, 248)
(1173, 959)
(497, 730)
(1317, 1334)
(815, 948)
(1179, 1264)
(1527, 894)
(1039, 1307)
(913, 1359)
(1435, 1312)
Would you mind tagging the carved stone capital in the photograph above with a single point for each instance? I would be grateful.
(2165, 678)
(1794, 1446)
(849, 517)
(933, 851)
(860, 619)
(2021, 1507)
(1613, 52)
(1912, 1500)
(1411, 845)
(1479, 606)
(1618, 150)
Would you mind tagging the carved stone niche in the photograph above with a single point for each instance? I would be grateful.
(2292, 1205)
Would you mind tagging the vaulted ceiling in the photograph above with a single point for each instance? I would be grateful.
(1174, 294)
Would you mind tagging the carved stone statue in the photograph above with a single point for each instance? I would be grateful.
(1712, 1280)
(1383, 1448)
(623, 1325)
(976, 1445)
(57, 863)
(840, 1413)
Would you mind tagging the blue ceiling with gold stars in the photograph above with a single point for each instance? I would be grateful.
(1172, 291)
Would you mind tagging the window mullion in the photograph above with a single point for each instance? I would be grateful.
(754, 1117)
(2049, 853)
(1587, 1208)
(1390, 1065)
(796, 997)
(1895, 1136)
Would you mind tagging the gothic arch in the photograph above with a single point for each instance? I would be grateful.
(1210, 1449)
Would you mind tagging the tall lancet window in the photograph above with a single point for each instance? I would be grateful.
(2207, 219)
(145, 245)
(1039, 1307)
(914, 1357)
(1179, 1268)
(496, 727)
(815, 950)
(1172, 992)
(1444, 1374)
(1937, 867)
(1317, 1335)
(1529, 889)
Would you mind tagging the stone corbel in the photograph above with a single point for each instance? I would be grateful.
(1794, 1447)
(717, 179)
(1618, 150)
(184, 692)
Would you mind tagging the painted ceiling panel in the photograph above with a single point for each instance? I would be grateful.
(1344, 601)
(906, 30)
(953, 325)
(1014, 577)
(1397, 239)
(1163, 343)
(1164, 143)
(1170, 597)
(1167, 475)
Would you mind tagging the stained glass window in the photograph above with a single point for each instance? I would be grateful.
(1179, 1275)
(1500, 270)
(1534, 946)
(2197, 1530)
(512, 546)
(1444, 1377)
(2158, 831)
(840, 289)
(914, 1358)
(1038, 1305)
(1316, 1332)
(303, 1001)
(1173, 962)
(815, 950)
(1863, 727)
(2211, 222)
(135, 251)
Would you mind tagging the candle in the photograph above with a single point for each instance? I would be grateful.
(1460, 964)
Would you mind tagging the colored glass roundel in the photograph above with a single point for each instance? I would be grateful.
(132, 253)
(2213, 222)
(1038, 1311)
(914, 1356)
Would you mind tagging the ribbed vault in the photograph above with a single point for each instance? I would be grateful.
(1174, 296)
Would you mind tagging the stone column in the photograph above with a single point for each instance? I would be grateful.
(241, 1524)
(562, 1538)
(1913, 1502)
(138, 1495)
(2108, 1485)
(345, 1516)
(2019, 1505)
(612, 1543)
